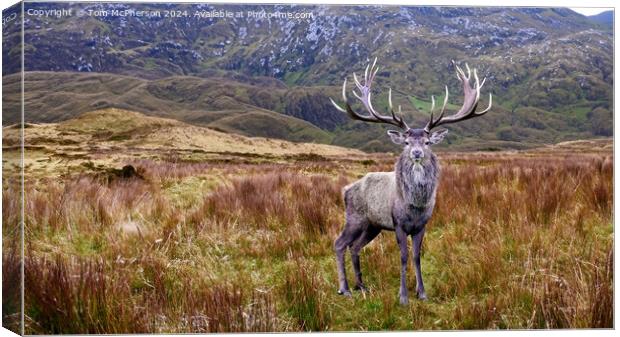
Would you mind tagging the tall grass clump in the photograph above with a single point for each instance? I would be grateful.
(11, 205)
(227, 308)
(602, 294)
(86, 296)
(307, 202)
(302, 299)
(86, 202)
(11, 252)
(11, 285)
(512, 231)
(77, 297)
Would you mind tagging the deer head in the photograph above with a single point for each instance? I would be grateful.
(417, 142)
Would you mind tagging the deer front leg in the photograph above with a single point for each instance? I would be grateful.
(401, 238)
(417, 245)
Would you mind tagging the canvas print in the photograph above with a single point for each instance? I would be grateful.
(196, 168)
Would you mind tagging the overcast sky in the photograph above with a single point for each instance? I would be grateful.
(589, 10)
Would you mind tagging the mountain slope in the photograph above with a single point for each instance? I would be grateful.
(54, 97)
(550, 70)
(514, 47)
(232, 107)
(606, 19)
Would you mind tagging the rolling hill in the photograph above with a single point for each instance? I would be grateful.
(109, 129)
(232, 107)
(606, 19)
(217, 103)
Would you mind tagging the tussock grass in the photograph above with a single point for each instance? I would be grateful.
(273, 199)
(516, 241)
(11, 284)
(87, 296)
(303, 300)
(75, 297)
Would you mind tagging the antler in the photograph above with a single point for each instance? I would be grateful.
(364, 97)
(470, 102)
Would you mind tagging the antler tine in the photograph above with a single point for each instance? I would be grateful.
(460, 74)
(432, 107)
(470, 101)
(392, 107)
(365, 97)
(344, 97)
(357, 82)
(445, 102)
(477, 85)
(372, 75)
(480, 113)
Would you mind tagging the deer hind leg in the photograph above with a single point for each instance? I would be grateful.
(346, 238)
(368, 235)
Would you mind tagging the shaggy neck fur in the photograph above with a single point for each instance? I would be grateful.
(416, 182)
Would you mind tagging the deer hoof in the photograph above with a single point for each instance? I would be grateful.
(346, 293)
(404, 300)
(422, 297)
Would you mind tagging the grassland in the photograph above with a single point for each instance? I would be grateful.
(205, 240)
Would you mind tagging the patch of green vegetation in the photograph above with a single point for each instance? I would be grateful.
(273, 126)
(291, 78)
(150, 63)
(88, 245)
(187, 193)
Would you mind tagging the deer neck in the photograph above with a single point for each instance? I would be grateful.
(417, 181)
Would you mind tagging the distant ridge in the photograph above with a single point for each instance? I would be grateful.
(605, 19)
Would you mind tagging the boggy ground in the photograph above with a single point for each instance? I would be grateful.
(517, 240)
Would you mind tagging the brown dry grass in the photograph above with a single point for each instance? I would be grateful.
(516, 241)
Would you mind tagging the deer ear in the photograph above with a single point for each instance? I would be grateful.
(397, 137)
(438, 136)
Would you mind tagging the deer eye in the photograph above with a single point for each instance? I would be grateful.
(407, 142)
(427, 142)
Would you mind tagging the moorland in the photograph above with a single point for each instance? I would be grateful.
(144, 224)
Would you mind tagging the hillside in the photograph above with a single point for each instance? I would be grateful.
(605, 19)
(113, 137)
(115, 128)
(217, 102)
(262, 111)
(550, 70)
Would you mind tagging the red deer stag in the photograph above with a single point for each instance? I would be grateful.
(402, 200)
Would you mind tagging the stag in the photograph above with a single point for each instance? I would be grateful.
(403, 200)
